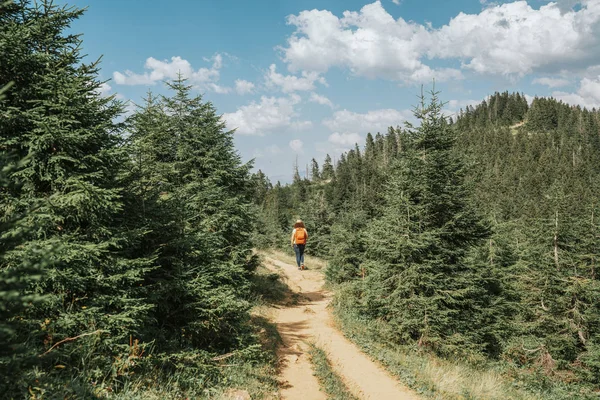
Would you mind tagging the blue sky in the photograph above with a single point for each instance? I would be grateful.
(302, 78)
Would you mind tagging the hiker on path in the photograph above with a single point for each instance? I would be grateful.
(299, 238)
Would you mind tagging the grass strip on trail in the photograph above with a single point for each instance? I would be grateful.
(331, 383)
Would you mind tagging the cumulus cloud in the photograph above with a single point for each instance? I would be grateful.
(588, 94)
(370, 43)
(347, 127)
(204, 78)
(301, 125)
(454, 106)
(529, 98)
(104, 89)
(372, 121)
(515, 38)
(507, 39)
(267, 115)
(296, 145)
(243, 87)
(217, 88)
(551, 82)
(291, 83)
(458, 104)
(317, 98)
(344, 139)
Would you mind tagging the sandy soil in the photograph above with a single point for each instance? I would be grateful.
(310, 321)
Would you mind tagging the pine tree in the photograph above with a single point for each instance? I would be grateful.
(328, 170)
(314, 170)
(17, 356)
(199, 199)
(419, 279)
(55, 115)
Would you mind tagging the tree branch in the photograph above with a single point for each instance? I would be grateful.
(70, 340)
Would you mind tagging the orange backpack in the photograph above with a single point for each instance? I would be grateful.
(300, 236)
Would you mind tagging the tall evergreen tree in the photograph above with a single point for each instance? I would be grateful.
(198, 198)
(328, 169)
(419, 278)
(315, 175)
(55, 115)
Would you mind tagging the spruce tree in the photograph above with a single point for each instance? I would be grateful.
(328, 169)
(419, 279)
(315, 175)
(55, 115)
(197, 197)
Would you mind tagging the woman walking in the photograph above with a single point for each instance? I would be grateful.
(299, 238)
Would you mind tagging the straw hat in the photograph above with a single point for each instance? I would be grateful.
(299, 224)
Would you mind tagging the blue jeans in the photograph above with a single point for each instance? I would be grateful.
(299, 250)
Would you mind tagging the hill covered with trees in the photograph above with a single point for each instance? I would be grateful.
(474, 238)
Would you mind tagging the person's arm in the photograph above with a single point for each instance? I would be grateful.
(292, 239)
(305, 231)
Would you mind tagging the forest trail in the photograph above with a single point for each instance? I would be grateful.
(309, 320)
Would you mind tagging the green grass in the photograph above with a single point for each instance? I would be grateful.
(437, 378)
(331, 383)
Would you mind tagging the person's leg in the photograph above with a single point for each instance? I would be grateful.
(301, 248)
(297, 251)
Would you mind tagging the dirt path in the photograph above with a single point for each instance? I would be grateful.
(310, 321)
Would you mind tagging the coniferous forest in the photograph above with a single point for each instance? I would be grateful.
(126, 244)
(474, 237)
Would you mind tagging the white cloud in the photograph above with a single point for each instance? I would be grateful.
(270, 114)
(454, 106)
(301, 125)
(105, 89)
(317, 98)
(529, 99)
(507, 39)
(396, 2)
(217, 88)
(203, 78)
(370, 43)
(372, 121)
(296, 145)
(551, 82)
(458, 104)
(347, 127)
(291, 83)
(588, 94)
(345, 139)
(243, 87)
(515, 38)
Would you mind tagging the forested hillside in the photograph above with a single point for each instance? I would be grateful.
(474, 238)
(125, 251)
